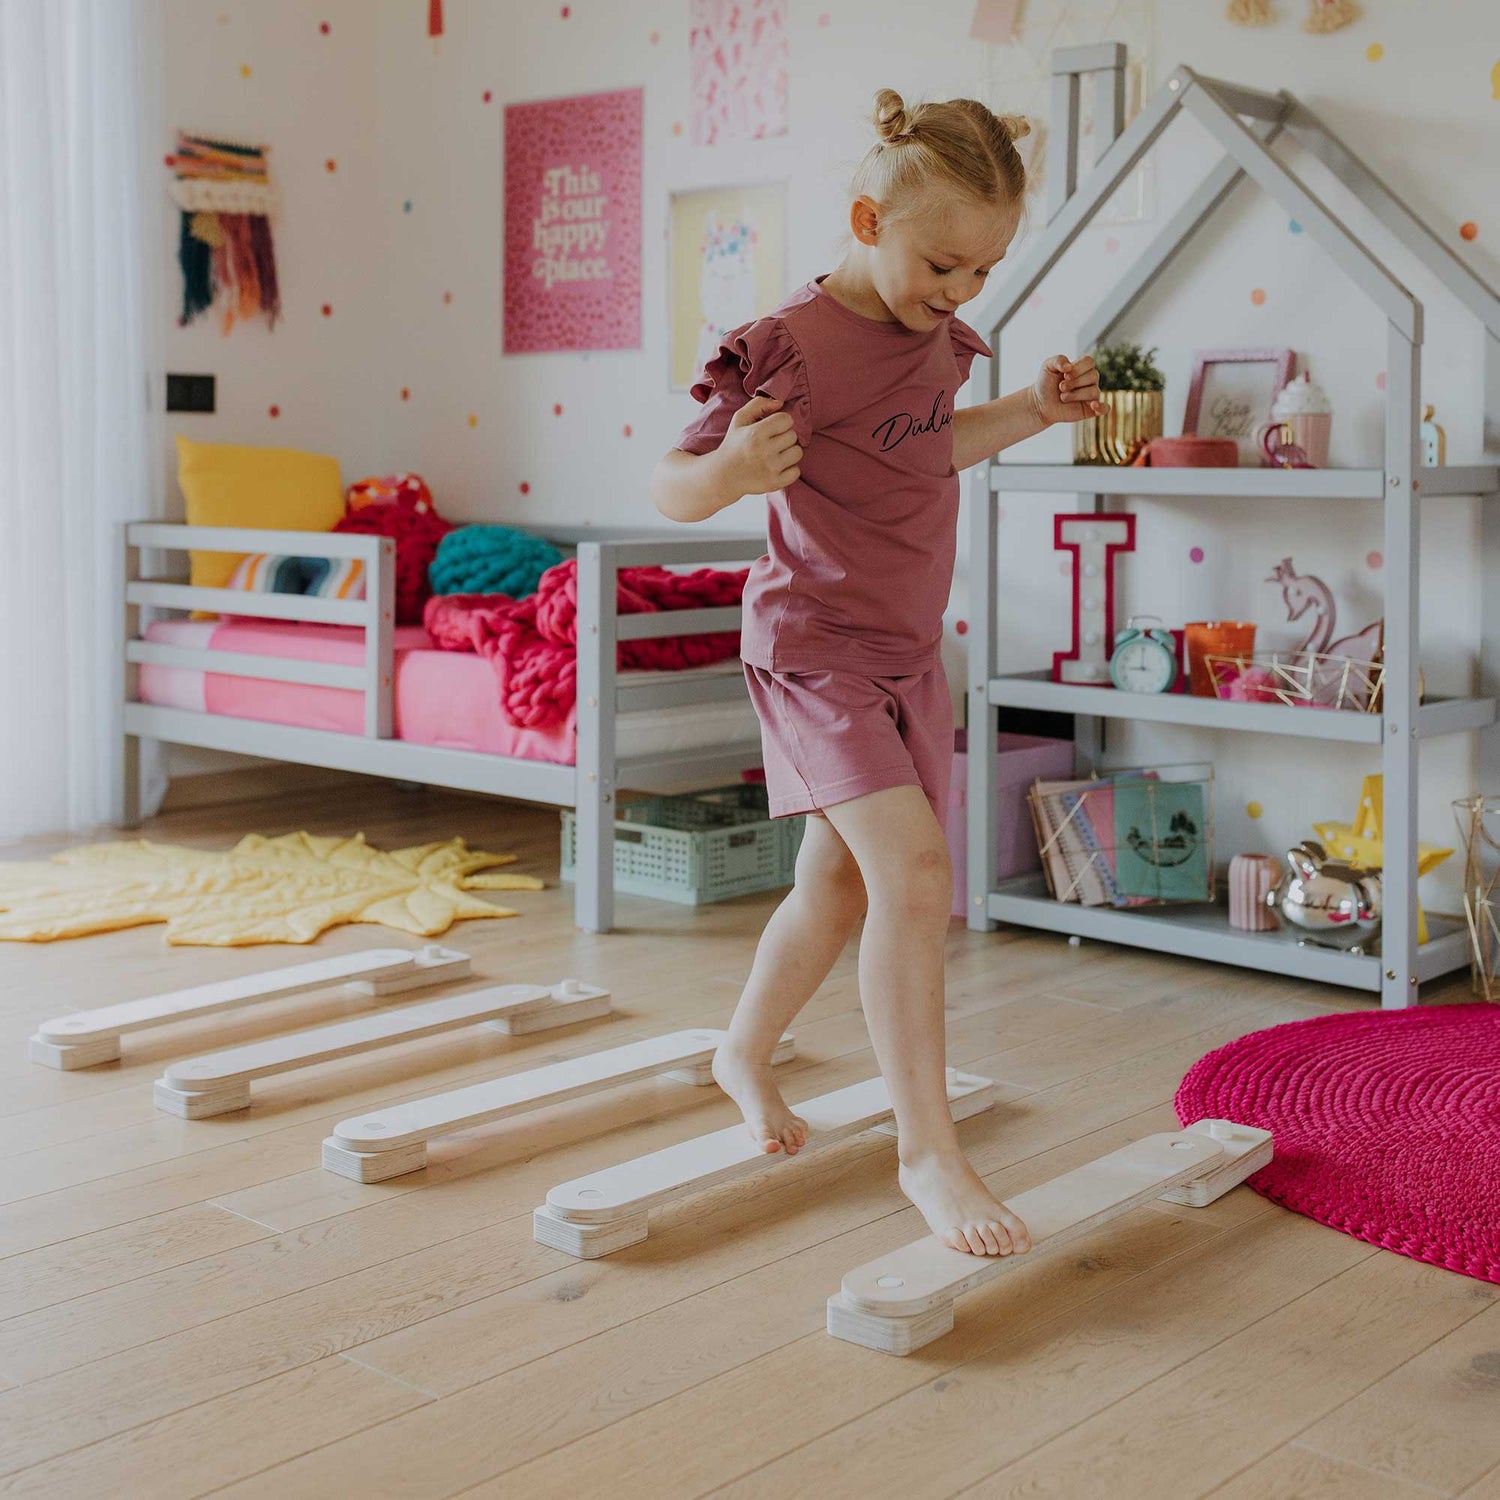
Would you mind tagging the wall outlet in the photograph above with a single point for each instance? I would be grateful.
(190, 392)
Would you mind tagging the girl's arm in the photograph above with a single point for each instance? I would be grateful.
(758, 454)
(980, 432)
(690, 486)
(1065, 391)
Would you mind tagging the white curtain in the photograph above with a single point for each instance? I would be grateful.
(80, 278)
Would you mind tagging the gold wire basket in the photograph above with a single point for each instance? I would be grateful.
(1299, 679)
(1479, 822)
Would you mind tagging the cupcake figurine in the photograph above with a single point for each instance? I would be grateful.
(1304, 406)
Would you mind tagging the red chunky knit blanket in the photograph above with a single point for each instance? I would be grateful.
(531, 642)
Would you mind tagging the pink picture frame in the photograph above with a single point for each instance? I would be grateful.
(1231, 392)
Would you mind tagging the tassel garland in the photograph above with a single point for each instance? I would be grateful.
(1250, 13)
(1329, 15)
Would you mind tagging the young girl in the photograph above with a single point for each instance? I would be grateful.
(839, 407)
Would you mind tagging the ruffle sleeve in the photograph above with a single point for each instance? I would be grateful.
(967, 346)
(756, 359)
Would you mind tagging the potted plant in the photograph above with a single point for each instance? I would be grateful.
(1130, 387)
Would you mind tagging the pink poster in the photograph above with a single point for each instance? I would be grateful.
(739, 53)
(573, 223)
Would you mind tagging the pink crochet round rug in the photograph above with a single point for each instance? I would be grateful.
(1387, 1125)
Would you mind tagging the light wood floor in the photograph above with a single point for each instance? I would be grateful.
(195, 1307)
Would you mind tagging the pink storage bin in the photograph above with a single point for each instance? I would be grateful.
(1019, 760)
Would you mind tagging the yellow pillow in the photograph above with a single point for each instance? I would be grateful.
(280, 489)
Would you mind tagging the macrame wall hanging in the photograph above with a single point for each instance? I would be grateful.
(224, 246)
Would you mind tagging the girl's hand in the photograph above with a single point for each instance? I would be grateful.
(760, 452)
(1067, 391)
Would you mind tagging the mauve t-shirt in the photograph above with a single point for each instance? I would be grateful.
(861, 544)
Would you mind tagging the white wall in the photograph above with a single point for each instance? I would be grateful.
(406, 119)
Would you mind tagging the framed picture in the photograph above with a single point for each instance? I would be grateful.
(726, 266)
(573, 223)
(1231, 394)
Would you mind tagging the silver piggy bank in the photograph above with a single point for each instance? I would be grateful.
(1332, 905)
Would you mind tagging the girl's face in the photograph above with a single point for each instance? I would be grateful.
(926, 266)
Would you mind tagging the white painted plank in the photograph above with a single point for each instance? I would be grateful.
(378, 1145)
(220, 1081)
(618, 1199)
(902, 1300)
(372, 971)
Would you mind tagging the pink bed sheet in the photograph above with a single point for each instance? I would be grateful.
(444, 698)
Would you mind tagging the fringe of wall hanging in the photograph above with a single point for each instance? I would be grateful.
(225, 248)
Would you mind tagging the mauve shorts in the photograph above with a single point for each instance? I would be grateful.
(828, 737)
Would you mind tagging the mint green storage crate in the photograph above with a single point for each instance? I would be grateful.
(706, 846)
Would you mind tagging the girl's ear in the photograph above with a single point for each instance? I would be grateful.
(864, 219)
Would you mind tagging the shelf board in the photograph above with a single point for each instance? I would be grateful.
(1460, 479)
(1109, 479)
(1237, 484)
(1203, 932)
(1037, 690)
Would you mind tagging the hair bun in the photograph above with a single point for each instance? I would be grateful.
(892, 119)
(1015, 126)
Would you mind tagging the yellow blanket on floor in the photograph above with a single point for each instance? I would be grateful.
(277, 890)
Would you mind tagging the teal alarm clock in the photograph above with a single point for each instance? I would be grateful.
(1144, 660)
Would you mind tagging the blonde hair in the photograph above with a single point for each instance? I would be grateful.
(954, 144)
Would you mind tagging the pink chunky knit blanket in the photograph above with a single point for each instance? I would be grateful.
(531, 643)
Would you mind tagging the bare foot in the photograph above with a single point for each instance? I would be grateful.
(772, 1126)
(959, 1209)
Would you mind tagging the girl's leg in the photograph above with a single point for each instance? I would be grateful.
(800, 944)
(903, 859)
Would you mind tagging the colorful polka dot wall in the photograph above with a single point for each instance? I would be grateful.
(1196, 555)
(1258, 296)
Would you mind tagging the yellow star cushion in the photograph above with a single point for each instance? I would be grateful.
(265, 890)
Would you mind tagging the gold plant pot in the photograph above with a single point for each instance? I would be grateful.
(1129, 421)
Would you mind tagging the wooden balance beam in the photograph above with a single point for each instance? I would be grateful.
(599, 1214)
(89, 1037)
(220, 1082)
(393, 1141)
(905, 1299)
